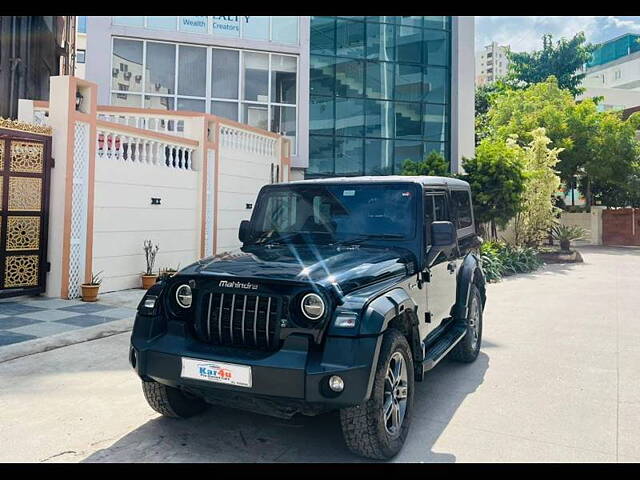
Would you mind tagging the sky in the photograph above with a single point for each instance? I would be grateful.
(525, 33)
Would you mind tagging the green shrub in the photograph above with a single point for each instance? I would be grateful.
(500, 259)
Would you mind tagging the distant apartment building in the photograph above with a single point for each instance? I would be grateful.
(81, 46)
(491, 63)
(614, 73)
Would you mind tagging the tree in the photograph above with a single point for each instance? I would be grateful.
(433, 164)
(520, 112)
(496, 178)
(536, 216)
(564, 60)
(599, 148)
(483, 100)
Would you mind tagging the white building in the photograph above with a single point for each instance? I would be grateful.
(492, 63)
(614, 74)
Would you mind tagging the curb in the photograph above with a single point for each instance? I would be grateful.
(31, 347)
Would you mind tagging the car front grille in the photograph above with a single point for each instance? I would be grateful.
(240, 320)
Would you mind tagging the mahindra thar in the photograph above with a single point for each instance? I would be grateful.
(344, 293)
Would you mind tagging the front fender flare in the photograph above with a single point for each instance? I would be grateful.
(382, 310)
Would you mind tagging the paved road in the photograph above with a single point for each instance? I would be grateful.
(558, 380)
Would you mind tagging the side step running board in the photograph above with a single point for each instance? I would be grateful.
(443, 345)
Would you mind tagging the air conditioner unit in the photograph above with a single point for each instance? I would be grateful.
(115, 72)
(127, 75)
(138, 78)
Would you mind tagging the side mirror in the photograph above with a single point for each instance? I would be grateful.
(443, 234)
(243, 232)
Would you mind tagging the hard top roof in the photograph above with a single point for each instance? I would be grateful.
(425, 181)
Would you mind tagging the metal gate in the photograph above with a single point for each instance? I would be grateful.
(621, 226)
(25, 164)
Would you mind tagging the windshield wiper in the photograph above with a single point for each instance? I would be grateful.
(280, 239)
(360, 238)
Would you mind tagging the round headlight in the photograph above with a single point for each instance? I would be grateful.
(312, 306)
(184, 297)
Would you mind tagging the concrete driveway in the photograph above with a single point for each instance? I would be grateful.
(558, 380)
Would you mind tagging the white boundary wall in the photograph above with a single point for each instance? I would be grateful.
(124, 218)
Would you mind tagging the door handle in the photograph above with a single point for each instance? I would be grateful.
(451, 267)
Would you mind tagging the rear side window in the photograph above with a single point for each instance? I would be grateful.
(462, 202)
(436, 208)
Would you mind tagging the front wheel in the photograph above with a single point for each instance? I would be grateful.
(378, 428)
(468, 348)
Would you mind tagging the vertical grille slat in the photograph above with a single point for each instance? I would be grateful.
(233, 307)
(266, 328)
(209, 317)
(255, 322)
(220, 318)
(244, 311)
(251, 320)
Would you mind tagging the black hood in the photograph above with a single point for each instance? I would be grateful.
(349, 267)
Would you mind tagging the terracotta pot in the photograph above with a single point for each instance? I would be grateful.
(89, 292)
(148, 281)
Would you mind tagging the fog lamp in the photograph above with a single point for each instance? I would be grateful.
(336, 383)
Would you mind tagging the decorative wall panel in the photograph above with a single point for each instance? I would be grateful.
(25, 194)
(27, 157)
(21, 271)
(23, 233)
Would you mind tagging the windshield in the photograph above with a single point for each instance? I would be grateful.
(332, 213)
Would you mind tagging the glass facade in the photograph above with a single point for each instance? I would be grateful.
(277, 29)
(257, 88)
(379, 93)
(614, 49)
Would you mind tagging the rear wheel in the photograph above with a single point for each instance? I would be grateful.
(468, 348)
(170, 401)
(379, 427)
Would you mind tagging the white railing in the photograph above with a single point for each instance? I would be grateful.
(124, 145)
(170, 124)
(248, 141)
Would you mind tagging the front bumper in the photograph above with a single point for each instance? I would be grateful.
(296, 372)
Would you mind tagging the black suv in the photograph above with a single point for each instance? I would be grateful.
(345, 291)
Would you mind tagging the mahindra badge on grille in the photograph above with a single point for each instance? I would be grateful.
(242, 285)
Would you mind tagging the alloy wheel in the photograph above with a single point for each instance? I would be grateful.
(396, 388)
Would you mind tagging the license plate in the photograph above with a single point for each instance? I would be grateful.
(218, 372)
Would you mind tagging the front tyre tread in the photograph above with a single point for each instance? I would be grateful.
(362, 426)
(171, 402)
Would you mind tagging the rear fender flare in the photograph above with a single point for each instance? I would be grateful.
(469, 273)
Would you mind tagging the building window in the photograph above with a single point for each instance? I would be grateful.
(379, 93)
(257, 88)
(81, 56)
(82, 24)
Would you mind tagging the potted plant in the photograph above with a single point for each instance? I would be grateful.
(90, 289)
(565, 234)
(150, 252)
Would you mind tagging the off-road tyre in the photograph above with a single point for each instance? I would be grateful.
(467, 350)
(171, 402)
(363, 426)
